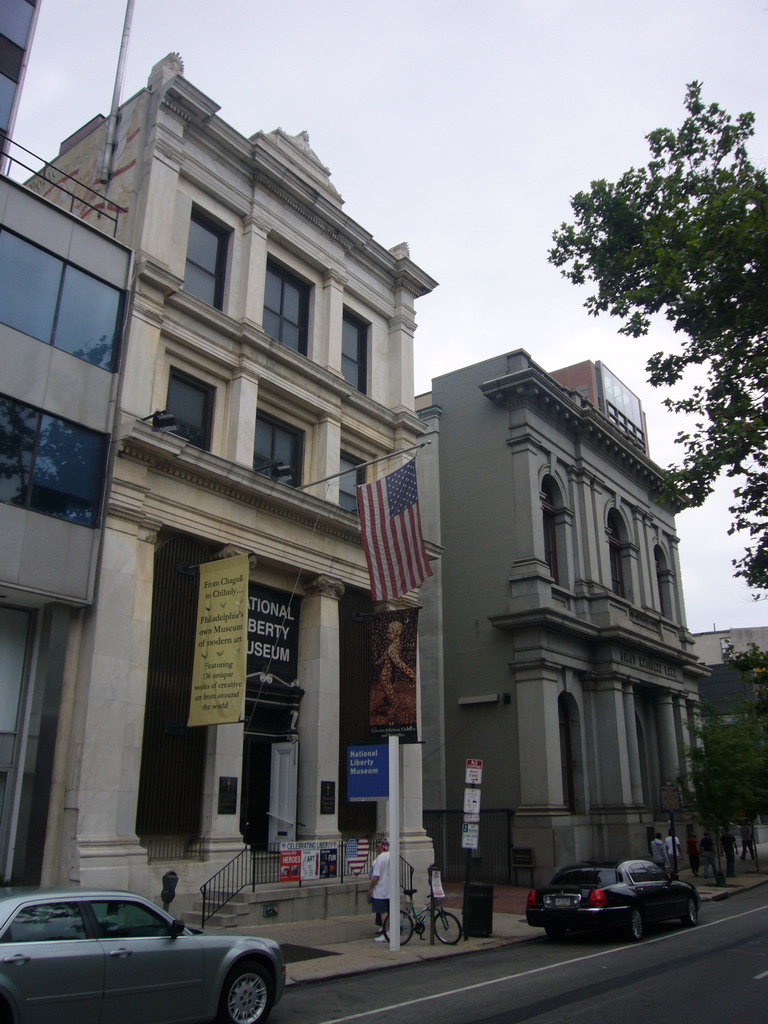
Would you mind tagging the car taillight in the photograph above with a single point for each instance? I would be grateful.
(598, 898)
(532, 901)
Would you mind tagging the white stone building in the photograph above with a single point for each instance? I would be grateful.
(568, 668)
(280, 336)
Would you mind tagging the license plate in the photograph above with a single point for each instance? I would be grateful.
(561, 901)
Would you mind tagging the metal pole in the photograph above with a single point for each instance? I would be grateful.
(394, 843)
(105, 164)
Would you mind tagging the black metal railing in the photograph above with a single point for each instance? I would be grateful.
(491, 862)
(85, 196)
(252, 867)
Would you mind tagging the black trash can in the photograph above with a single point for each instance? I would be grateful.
(479, 920)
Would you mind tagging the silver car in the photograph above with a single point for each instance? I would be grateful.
(116, 958)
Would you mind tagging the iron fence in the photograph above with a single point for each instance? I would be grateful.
(490, 862)
(261, 866)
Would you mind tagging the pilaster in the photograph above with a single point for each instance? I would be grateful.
(319, 720)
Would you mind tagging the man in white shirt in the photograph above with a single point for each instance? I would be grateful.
(672, 847)
(378, 889)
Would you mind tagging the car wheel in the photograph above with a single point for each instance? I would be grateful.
(636, 924)
(554, 931)
(691, 916)
(246, 995)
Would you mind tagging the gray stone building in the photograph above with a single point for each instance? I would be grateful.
(568, 668)
(278, 334)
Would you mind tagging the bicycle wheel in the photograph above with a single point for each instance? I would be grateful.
(447, 927)
(406, 928)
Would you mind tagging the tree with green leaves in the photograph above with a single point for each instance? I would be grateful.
(727, 773)
(686, 238)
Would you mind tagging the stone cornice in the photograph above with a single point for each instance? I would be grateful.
(170, 456)
(575, 416)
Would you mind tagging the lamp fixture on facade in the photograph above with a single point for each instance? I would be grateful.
(161, 420)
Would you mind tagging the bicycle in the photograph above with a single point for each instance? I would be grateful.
(447, 926)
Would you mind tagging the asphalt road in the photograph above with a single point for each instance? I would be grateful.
(715, 972)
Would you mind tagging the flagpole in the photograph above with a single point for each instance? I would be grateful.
(394, 844)
(362, 465)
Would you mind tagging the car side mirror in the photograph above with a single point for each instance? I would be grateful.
(177, 928)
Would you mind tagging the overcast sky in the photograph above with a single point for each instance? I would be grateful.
(461, 127)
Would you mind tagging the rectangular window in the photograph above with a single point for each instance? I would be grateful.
(354, 352)
(286, 308)
(277, 450)
(55, 302)
(191, 403)
(206, 260)
(50, 465)
(352, 475)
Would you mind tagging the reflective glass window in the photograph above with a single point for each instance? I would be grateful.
(15, 19)
(56, 303)
(46, 922)
(18, 429)
(50, 465)
(30, 280)
(68, 471)
(88, 318)
(121, 919)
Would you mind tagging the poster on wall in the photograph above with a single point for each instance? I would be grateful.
(394, 643)
(218, 674)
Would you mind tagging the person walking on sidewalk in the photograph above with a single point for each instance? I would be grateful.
(746, 841)
(378, 888)
(692, 849)
(659, 851)
(707, 847)
(728, 845)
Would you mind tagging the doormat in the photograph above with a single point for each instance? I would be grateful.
(294, 954)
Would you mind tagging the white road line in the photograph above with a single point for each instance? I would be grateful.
(536, 970)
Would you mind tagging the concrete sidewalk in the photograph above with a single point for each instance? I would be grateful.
(340, 946)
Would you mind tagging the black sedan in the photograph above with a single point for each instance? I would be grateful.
(629, 894)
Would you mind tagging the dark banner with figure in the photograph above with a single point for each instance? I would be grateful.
(394, 645)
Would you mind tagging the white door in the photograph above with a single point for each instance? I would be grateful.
(283, 792)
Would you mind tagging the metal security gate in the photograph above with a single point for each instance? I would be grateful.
(490, 862)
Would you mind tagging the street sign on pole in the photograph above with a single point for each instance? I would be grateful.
(474, 772)
(471, 801)
(470, 836)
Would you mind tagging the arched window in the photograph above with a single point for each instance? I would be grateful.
(663, 581)
(564, 714)
(616, 552)
(549, 503)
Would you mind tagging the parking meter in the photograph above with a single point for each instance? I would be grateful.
(170, 881)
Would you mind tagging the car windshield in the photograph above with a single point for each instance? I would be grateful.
(586, 877)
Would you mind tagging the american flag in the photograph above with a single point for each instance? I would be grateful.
(357, 854)
(391, 527)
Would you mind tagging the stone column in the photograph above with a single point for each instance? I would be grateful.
(633, 750)
(241, 416)
(254, 271)
(538, 727)
(319, 719)
(327, 351)
(669, 763)
(326, 461)
(610, 726)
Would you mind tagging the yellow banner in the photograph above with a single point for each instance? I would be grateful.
(218, 677)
